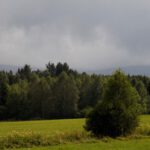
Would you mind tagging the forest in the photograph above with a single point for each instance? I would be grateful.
(58, 92)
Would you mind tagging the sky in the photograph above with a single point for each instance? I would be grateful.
(87, 34)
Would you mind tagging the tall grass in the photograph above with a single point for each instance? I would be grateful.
(31, 139)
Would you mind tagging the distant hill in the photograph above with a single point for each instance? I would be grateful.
(8, 68)
(13, 68)
(132, 70)
(137, 70)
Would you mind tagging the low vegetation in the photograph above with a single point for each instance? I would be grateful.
(30, 139)
(34, 133)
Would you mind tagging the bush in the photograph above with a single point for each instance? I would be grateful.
(84, 112)
(117, 113)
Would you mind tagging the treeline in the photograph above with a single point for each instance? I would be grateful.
(57, 92)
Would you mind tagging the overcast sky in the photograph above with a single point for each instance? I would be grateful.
(88, 34)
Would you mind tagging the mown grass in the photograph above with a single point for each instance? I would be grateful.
(60, 132)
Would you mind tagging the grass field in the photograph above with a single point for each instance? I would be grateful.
(46, 127)
(50, 127)
(112, 145)
(53, 127)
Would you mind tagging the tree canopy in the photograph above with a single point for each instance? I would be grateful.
(117, 113)
(58, 92)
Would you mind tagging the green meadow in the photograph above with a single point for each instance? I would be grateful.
(143, 144)
(46, 127)
(69, 134)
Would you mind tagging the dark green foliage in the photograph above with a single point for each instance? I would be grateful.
(57, 92)
(3, 99)
(91, 91)
(58, 69)
(85, 94)
(51, 69)
(117, 113)
(3, 93)
(18, 102)
(40, 96)
(25, 72)
(141, 85)
(66, 96)
(62, 68)
(143, 95)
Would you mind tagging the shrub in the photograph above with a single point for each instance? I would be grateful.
(117, 113)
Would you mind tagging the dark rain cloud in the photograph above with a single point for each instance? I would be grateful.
(86, 34)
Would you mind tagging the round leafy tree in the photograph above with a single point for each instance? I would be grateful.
(117, 113)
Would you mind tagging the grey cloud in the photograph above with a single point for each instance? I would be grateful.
(87, 34)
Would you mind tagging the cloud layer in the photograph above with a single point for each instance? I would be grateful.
(89, 35)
